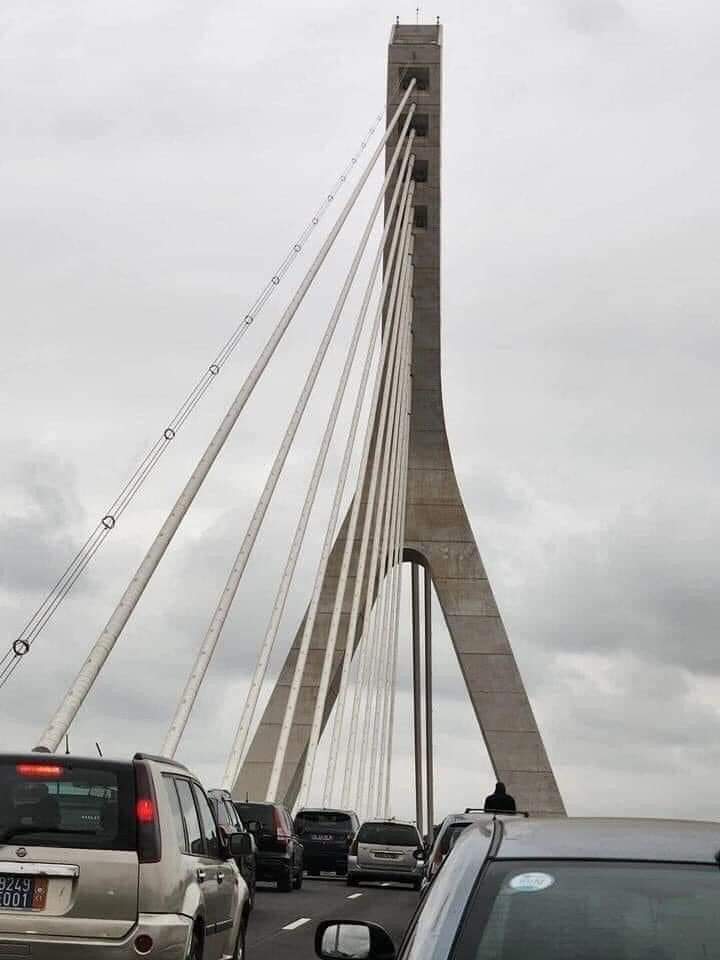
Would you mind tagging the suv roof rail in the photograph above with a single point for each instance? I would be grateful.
(159, 759)
(504, 813)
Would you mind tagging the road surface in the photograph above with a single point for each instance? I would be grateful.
(282, 925)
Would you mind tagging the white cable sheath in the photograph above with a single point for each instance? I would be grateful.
(205, 654)
(397, 549)
(373, 514)
(296, 682)
(241, 739)
(385, 799)
(80, 687)
(379, 558)
(388, 560)
(381, 383)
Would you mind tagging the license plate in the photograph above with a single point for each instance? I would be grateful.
(321, 836)
(387, 856)
(22, 893)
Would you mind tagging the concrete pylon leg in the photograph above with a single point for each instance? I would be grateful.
(438, 533)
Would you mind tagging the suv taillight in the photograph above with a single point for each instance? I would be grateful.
(281, 833)
(147, 823)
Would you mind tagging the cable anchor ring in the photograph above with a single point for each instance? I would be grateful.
(297, 248)
(20, 647)
(276, 280)
(108, 521)
(214, 369)
(169, 433)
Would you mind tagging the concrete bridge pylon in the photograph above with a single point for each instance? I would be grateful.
(438, 533)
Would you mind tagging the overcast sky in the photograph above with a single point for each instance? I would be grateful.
(159, 158)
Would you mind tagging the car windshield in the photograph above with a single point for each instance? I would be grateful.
(389, 834)
(56, 803)
(319, 820)
(555, 910)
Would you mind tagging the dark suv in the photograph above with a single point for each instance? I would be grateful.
(228, 818)
(279, 854)
(326, 836)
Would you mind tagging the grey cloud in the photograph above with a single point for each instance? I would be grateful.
(594, 16)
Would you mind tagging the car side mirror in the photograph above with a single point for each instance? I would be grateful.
(353, 940)
(419, 854)
(240, 844)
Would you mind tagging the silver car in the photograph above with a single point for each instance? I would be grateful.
(104, 858)
(386, 850)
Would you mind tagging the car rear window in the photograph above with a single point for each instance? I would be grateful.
(563, 910)
(262, 812)
(331, 820)
(390, 834)
(58, 803)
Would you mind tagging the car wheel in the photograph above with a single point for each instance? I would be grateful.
(297, 883)
(195, 946)
(284, 884)
(351, 881)
(417, 884)
(239, 953)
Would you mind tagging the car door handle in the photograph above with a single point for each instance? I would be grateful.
(201, 875)
(220, 876)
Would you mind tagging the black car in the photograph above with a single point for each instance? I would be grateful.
(559, 888)
(279, 854)
(228, 818)
(326, 836)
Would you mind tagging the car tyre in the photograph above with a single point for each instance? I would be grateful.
(239, 953)
(417, 885)
(285, 883)
(352, 881)
(298, 881)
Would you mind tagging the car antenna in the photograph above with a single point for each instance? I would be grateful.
(100, 753)
(67, 743)
(247, 797)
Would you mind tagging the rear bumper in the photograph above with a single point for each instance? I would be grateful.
(170, 933)
(272, 866)
(367, 872)
(325, 858)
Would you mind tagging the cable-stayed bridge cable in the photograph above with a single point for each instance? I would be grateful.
(365, 471)
(205, 654)
(240, 744)
(60, 589)
(387, 573)
(102, 648)
(370, 509)
(381, 520)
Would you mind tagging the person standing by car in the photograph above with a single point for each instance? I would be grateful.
(500, 801)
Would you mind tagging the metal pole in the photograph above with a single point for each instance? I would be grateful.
(429, 772)
(417, 696)
(103, 646)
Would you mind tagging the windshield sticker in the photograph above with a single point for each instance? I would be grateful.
(531, 882)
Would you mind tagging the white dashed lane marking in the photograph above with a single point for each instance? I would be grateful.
(296, 923)
(353, 896)
(387, 884)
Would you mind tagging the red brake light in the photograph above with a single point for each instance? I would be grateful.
(280, 829)
(43, 771)
(145, 810)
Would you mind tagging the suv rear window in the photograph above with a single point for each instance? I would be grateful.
(262, 812)
(57, 803)
(323, 820)
(389, 834)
